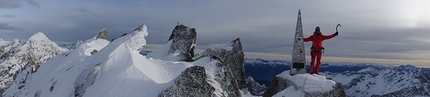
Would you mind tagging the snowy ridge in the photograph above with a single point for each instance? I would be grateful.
(117, 70)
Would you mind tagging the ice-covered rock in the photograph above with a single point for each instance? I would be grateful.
(232, 56)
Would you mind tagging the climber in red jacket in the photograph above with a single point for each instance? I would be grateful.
(316, 50)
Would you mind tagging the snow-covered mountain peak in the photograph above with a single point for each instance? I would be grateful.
(39, 36)
(17, 57)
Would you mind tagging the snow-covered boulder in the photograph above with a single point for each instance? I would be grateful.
(306, 85)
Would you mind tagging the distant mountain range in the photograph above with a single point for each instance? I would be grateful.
(359, 79)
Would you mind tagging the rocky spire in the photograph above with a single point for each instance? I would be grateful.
(183, 42)
(103, 34)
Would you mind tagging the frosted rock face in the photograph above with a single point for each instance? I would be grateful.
(103, 34)
(191, 83)
(232, 56)
(184, 42)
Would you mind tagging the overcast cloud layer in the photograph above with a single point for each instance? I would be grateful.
(384, 31)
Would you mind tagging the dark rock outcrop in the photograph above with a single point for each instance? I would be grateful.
(183, 42)
(93, 52)
(191, 83)
(278, 84)
(103, 34)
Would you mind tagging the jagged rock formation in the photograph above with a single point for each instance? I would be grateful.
(254, 87)
(191, 83)
(183, 42)
(229, 60)
(318, 86)
(230, 57)
(17, 56)
(103, 34)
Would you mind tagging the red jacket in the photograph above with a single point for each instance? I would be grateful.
(317, 39)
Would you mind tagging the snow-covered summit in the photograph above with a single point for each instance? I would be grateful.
(304, 85)
(39, 36)
(40, 48)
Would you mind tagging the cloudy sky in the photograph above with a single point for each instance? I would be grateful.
(391, 32)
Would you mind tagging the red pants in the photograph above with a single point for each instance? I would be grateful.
(315, 53)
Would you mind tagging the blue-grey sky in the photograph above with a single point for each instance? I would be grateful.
(392, 32)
